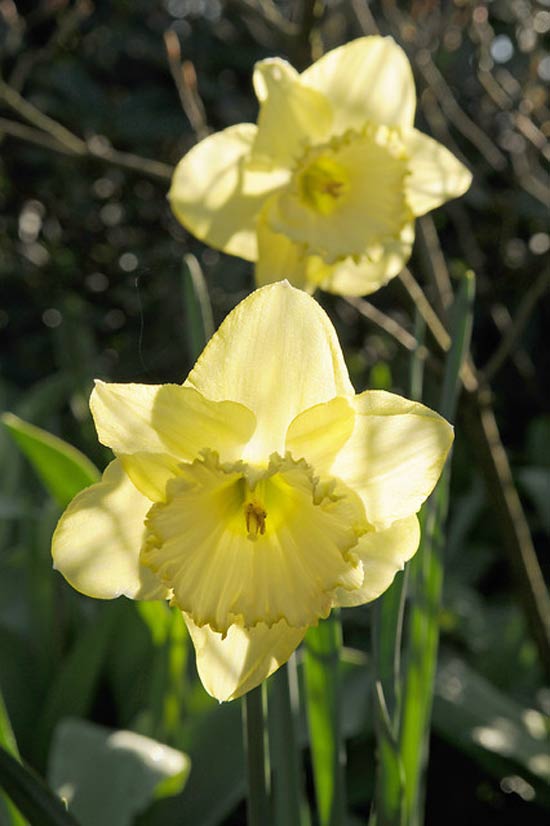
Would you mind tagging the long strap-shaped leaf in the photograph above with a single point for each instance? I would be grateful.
(427, 581)
(323, 646)
(31, 795)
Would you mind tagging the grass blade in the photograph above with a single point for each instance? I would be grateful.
(197, 306)
(426, 573)
(63, 469)
(323, 646)
(31, 795)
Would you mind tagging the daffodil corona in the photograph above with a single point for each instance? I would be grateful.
(256, 496)
(325, 188)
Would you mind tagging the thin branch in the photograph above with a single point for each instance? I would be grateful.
(54, 136)
(388, 324)
(185, 81)
(516, 328)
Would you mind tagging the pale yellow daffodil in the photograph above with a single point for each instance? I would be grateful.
(256, 496)
(325, 188)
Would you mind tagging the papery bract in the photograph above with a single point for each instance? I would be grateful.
(256, 496)
(325, 188)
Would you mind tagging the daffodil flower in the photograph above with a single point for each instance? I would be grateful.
(256, 496)
(325, 188)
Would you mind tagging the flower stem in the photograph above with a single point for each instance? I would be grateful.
(257, 766)
(290, 808)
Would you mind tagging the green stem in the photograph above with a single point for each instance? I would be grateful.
(322, 678)
(254, 733)
(289, 805)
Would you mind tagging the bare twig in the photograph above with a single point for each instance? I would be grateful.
(388, 324)
(185, 80)
(516, 328)
(54, 136)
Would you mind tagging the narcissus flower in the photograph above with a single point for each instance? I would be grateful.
(256, 496)
(325, 188)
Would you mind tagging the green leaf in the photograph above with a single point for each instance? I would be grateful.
(323, 646)
(200, 324)
(490, 726)
(31, 795)
(129, 769)
(73, 690)
(63, 469)
(426, 573)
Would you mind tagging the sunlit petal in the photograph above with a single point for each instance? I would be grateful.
(277, 353)
(346, 199)
(369, 79)
(318, 434)
(291, 116)
(435, 176)
(275, 550)
(97, 541)
(394, 456)
(279, 258)
(168, 418)
(363, 276)
(150, 472)
(232, 665)
(217, 197)
(382, 553)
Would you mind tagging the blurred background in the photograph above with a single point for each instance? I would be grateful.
(98, 101)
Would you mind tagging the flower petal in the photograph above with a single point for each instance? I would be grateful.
(363, 276)
(435, 176)
(369, 79)
(217, 197)
(97, 541)
(225, 564)
(368, 206)
(394, 456)
(279, 355)
(150, 472)
(230, 666)
(382, 553)
(279, 258)
(319, 433)
(305, 113)
(168, 418)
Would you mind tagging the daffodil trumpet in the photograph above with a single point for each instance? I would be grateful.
(257, 495)
(325, 188)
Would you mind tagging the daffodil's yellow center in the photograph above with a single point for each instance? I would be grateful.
(226, 561)
(347, 198)
(255, 517)
(323, 184)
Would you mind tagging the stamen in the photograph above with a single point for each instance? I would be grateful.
(255, 517)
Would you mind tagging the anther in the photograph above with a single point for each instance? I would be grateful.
(255, 517)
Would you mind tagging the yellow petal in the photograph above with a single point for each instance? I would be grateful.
(382, 554)
(236, 552)
(318, 434)
(277, 353)
(280, 258)
(232, 665)
(435, 176)
(394, 456)
(97, 541)
(217, 197)
(369, 79)
(363, 276)
(150, 472)
(291, 116)
(168, 418)
(346, 198)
